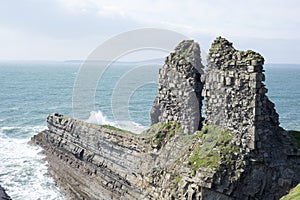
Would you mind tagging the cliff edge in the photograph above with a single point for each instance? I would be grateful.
(238, 151)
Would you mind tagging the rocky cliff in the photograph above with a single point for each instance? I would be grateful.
(238, 152)
(3, 194)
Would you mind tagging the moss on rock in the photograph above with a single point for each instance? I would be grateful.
(159, 134)
(213, 148)
(294, 193)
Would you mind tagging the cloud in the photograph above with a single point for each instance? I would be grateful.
(71, 29)
(256, 19)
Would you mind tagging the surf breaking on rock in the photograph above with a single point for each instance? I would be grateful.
(183, 155)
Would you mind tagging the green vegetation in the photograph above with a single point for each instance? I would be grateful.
(294, 193)
(159, 134)
(177, 179)
(113, 128)
(295, 137)
(212, 148)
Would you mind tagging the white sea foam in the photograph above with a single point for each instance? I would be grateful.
(99, 118)
(23, 171)
(131, 126)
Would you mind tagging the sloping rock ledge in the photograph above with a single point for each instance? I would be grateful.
(238, 151)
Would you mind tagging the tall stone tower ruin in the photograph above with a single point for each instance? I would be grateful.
(235, 94)
(179, 88)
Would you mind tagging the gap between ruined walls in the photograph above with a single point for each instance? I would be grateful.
(232, 86)
(168, 161)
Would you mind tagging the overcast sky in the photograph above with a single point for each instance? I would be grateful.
(72, 29)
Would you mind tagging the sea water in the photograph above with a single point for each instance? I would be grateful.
(29, 91)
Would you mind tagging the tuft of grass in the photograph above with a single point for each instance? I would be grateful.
(213, 148)
(294, 194)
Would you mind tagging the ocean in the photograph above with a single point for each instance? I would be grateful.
(29, 91)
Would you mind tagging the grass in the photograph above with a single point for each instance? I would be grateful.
(212, 149)
(294, 194)
(159, 134)
(113, 128)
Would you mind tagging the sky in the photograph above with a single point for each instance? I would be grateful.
(71, 29)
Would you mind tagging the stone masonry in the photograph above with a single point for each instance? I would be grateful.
(235, 93)
(179, 88)
(254, 159)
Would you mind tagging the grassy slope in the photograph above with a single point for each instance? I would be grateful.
(294, 194)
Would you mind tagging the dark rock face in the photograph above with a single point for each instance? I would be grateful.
(3, 194)
(240, 153)
(179, 88)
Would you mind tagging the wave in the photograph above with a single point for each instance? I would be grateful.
(23, 170)
(21, 132)
(99, 118)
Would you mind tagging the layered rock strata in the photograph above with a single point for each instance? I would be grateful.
(179, 88)
(241, 152)
(102, 162)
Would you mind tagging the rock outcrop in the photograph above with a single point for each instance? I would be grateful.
(179, 88)
(240, 152)
(89, 161)
(3, 194)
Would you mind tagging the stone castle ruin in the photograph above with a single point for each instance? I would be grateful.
(238, 151)
(233, 88)
(179, 88)
(235, 93)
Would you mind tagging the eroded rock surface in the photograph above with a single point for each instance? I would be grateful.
(179, 88)
(236, 100)
(3, 194)
(236, 95)
(89, 161)
(241, 152)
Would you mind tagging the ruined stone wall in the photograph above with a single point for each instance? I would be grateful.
(235, 93)
(179, 88)
(256, 159)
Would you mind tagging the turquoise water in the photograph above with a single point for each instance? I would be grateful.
(31, 90)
